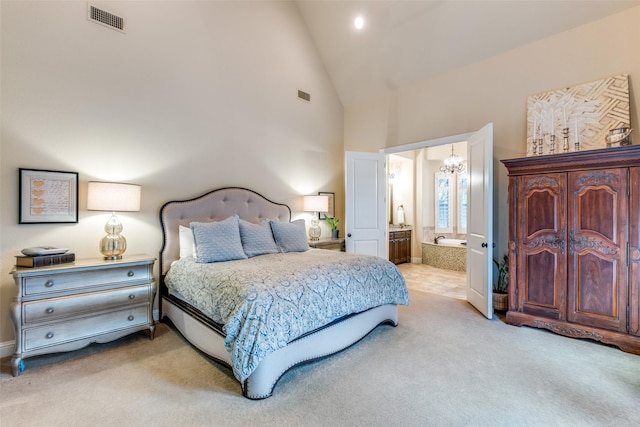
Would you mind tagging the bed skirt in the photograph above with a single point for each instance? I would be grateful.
(323, 342)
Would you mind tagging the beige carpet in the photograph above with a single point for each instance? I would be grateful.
(444, 365)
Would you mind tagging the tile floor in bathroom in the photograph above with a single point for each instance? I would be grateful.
(426, 278)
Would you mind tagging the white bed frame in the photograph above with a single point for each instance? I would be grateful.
(207, 335)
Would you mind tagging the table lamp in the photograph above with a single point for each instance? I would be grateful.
(113, 197)
(315, 204)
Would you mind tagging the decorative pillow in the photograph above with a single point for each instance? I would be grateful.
(218, 241)
(187, 247)
(290, 236)
(257, 239)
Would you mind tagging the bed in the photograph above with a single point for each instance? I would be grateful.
(265, 311)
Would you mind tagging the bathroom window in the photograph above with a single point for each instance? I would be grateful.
(444, 202)
(463, 202)
(452, 202)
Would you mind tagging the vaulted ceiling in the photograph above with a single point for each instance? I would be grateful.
(406, 41)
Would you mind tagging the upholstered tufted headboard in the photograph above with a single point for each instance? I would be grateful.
(215, 205)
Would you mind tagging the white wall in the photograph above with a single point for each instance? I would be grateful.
(495, 90)
(195, 96)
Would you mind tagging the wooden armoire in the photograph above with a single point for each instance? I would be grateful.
(574, 244)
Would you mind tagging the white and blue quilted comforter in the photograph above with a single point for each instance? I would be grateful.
(267, 301)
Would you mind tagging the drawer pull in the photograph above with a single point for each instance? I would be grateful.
(132, 296)
(49, 310)
(130, 318)
(49, 335)
(130, 273)
(48, 283)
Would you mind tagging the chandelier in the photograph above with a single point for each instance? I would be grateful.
(453, 164)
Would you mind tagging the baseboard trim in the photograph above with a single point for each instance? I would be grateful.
(7, 348)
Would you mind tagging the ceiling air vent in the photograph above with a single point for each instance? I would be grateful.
(105, 18)
(304, 96)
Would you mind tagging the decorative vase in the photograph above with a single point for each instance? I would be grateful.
(335, 234)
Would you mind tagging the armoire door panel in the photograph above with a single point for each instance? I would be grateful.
(542, 211)
(634, 251)
(541, 289)
(543, 296)
(596, 287)
(543, 199)
(597, 273)
(601, 221)
(542, 266)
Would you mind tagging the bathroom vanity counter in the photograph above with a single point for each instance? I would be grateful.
(399, 244)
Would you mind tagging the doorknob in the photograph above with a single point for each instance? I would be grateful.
(348, 234)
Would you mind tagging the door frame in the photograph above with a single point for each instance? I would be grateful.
(434, 143)
(446, 140)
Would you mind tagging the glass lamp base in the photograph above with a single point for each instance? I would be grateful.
(314, 230)
(112, 246)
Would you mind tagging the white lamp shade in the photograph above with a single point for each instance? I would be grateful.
(113, 196)
(316, 204)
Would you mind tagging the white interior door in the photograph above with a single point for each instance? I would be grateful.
(480, 220)
(366, 204)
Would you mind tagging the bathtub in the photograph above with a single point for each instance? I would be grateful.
(448, 254)
(452, 242)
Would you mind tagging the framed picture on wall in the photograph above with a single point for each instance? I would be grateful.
(332, 207)
(47, 196)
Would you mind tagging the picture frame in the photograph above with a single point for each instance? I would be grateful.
(332, 207)
(47, 196)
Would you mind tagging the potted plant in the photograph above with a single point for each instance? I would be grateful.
(333, 223)
(501, 286)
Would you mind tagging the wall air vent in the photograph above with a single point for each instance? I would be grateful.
(105, 18)
(304, 96)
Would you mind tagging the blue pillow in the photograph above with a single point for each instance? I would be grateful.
(257, 239)
(218, 241)
(290, 236)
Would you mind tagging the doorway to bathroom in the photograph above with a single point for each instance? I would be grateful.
(430, 184)
(367, 218)
(479, 193)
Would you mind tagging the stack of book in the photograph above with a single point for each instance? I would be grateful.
(44, 260)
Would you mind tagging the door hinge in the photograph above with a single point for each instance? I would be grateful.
(628, 253)
(628, 330)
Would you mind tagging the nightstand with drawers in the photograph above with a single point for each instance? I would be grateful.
(69, 306)
(330, 244)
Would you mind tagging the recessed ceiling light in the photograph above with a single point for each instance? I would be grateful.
(358, 22)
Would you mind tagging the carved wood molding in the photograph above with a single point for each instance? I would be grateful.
(598, 178)
(554, 241)
(584, 243)
(541, 181)
(568, 330)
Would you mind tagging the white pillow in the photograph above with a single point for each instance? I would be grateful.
(187, 246)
